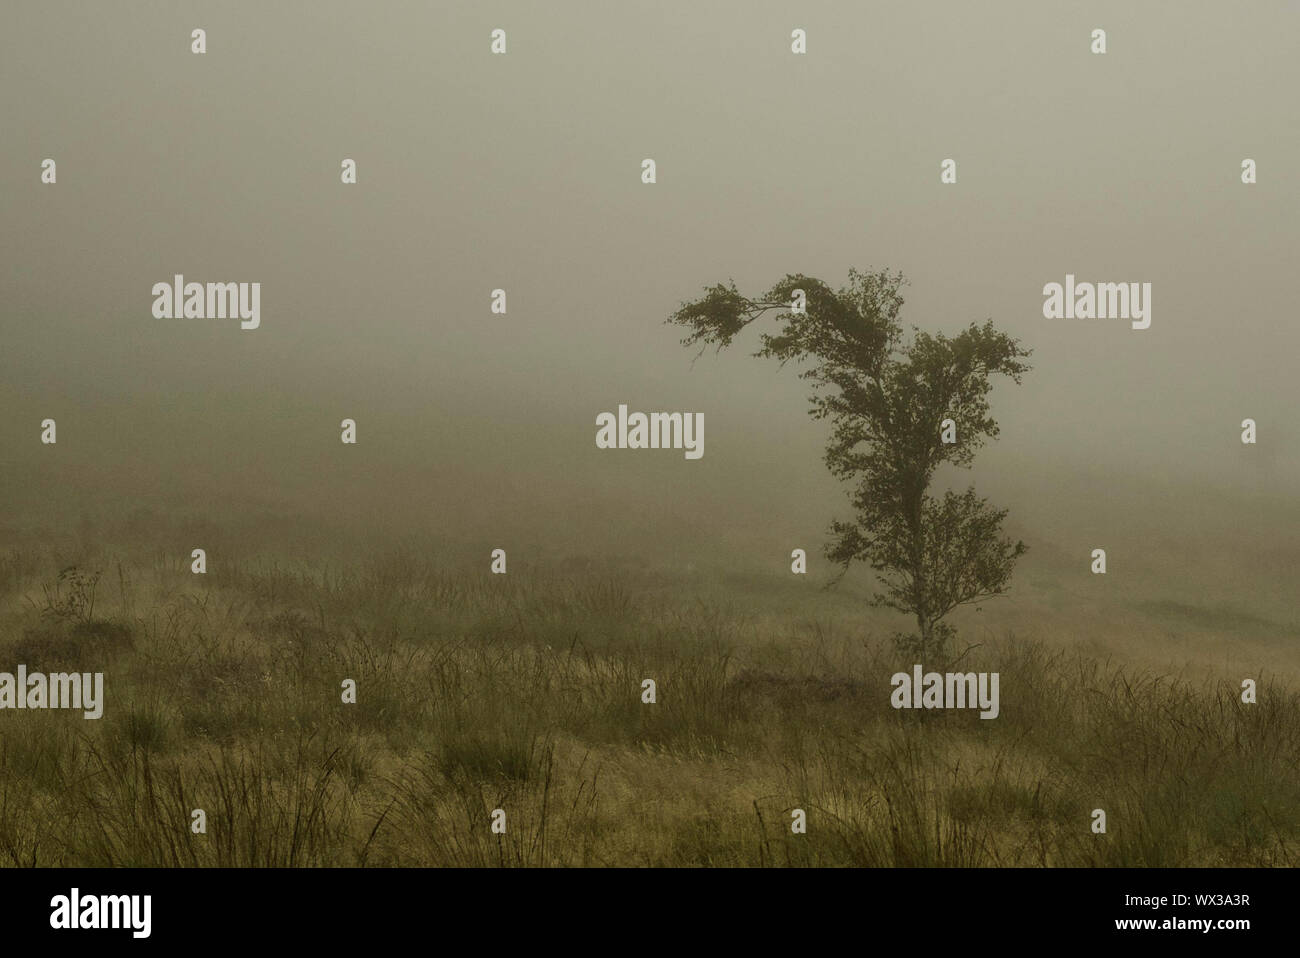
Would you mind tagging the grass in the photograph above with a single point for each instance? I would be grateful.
(523, 693)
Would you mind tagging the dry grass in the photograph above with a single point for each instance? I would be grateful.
(523, 692)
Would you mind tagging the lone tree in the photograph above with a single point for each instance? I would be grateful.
(887, 399)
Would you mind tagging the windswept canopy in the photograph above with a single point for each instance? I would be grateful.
(886, 396)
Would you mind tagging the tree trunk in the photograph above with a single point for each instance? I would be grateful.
(913, 505)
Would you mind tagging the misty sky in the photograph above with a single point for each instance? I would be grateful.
(523, 171)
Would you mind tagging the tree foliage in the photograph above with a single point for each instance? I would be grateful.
(885, 394)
